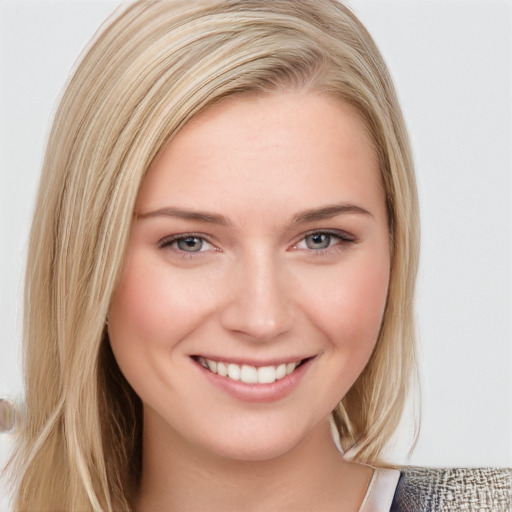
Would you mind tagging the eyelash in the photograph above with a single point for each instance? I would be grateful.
(343, 238)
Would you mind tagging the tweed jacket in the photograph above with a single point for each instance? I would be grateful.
(453, 489)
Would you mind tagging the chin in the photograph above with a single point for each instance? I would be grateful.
(254, 451)
(259, 443)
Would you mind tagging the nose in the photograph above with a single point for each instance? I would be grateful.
(259, 304)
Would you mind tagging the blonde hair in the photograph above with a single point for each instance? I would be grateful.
(157, 65)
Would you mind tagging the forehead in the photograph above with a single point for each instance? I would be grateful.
(293, 147)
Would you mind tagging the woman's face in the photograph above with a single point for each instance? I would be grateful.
(260, 249)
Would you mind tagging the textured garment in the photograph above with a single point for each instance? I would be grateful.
(453, 490)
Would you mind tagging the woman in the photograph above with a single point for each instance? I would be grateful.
(223, 252)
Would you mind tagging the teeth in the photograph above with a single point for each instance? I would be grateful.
(203, 362)
(222, 369)
(234, 371)
(281, 371)
(290, 367)
(249, 374)
(266, 374)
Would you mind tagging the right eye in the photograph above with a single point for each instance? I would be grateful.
(187, 243)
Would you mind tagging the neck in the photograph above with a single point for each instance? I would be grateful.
(311, 476)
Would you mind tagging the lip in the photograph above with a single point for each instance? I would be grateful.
(257, 393)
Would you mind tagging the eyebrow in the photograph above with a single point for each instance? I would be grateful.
(312, 215)
(328, 212)
(180, 213)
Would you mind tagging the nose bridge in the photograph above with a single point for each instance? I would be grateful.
(259, 304)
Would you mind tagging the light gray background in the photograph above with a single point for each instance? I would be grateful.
(451, 61)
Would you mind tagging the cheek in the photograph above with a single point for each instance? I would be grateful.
(351, 316)
(349, 303)
(155, 303)
(151, 314)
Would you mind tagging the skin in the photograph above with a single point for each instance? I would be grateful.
(260, 286)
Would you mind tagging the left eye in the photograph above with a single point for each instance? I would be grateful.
(318, 241)
(322, 240)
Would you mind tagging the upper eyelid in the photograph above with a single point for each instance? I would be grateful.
(340, 233)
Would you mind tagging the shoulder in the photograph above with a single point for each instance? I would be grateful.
(453, 489)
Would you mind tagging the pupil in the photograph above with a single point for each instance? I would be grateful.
(318, 241)
(190, 244)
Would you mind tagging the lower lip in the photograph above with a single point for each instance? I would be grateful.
(257, 392)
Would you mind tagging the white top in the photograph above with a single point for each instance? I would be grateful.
(382, 486)
(381, 490)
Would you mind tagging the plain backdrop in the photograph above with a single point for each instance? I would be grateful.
(451, 62)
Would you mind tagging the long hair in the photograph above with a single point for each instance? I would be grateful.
(155, 66)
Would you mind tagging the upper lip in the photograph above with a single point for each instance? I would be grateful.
(253, 362)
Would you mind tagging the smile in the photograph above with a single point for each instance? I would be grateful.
(249, 374)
